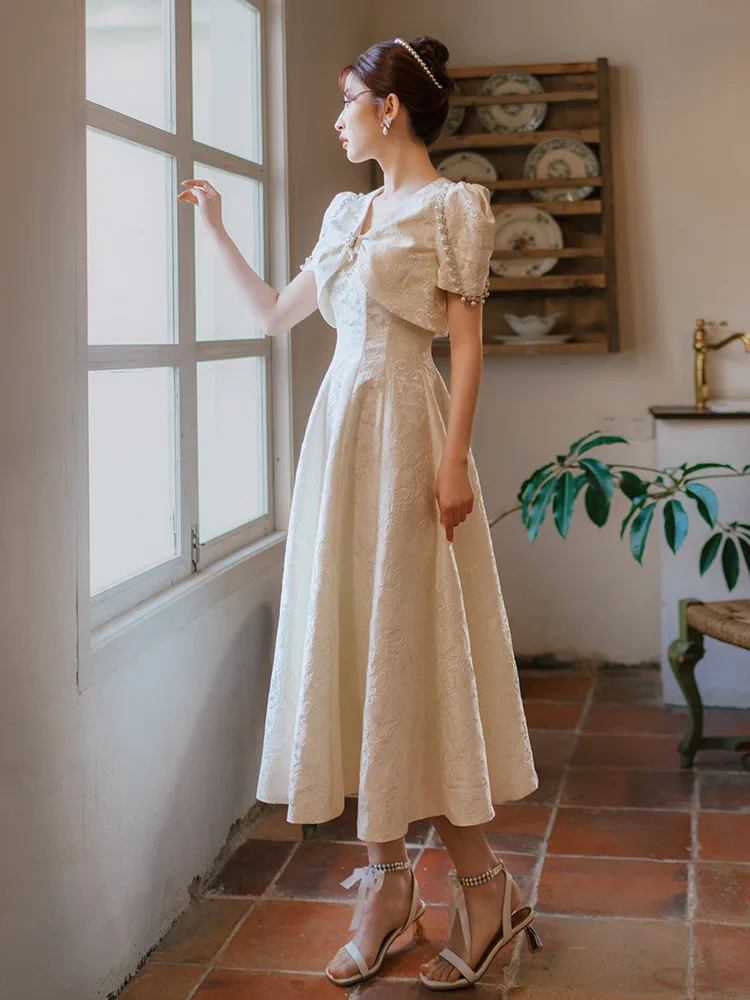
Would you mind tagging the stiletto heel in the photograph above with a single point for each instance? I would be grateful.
(532, 939)
(420, 935)
(512, 924)
(370, 877)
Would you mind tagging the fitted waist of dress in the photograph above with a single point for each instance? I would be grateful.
(396, 348)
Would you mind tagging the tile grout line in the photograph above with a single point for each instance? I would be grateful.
(235, 930)
(692, 887)
(515, 962)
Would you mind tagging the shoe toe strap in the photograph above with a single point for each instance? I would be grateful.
(358, 957)
(458, 962)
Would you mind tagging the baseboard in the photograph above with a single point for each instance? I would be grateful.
(551, 661)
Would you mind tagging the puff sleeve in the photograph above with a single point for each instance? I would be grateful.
(337, 202)
(466, 240)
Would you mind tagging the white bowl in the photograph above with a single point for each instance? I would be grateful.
(531, 326)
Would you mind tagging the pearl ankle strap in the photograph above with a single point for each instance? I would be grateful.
(484, 877)
(391, 866)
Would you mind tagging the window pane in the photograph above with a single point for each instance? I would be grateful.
(128, 58)
(227, 77)
(132, 473)
(129, 258)
(221, 312)
(232, 451)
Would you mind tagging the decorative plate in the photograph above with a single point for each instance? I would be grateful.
(456, 114)
(525, 228)
(471, 167)
(511, 117)
(561, 158)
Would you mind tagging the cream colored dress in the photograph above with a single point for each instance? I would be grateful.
(393, 677)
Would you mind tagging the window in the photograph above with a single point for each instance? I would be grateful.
(178, 392)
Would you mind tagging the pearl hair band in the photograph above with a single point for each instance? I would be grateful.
(420, 60)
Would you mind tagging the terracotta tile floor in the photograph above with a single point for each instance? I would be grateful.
(640, 873)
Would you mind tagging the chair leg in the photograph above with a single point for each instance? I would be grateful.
(309, 831)
(684, 654)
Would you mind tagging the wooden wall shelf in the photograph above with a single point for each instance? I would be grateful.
(583, 284)
(441, 348)
(480, 140)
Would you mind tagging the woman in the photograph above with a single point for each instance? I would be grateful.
(394, 677)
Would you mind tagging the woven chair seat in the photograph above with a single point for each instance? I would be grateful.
(727, 621)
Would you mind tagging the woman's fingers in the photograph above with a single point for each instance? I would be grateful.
(447, 519)
(451, 517)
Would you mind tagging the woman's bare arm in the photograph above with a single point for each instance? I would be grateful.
(465, 328)
(274, 311)
(453, 490)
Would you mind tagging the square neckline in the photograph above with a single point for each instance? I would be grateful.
(369, 198)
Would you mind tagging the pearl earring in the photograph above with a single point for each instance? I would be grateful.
(386, 126)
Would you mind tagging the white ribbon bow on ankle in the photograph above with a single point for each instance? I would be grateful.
(457, 904)
(370, 880)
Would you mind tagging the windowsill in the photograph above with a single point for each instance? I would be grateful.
(117, 642)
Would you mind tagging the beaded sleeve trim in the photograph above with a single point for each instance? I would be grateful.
(451, 257)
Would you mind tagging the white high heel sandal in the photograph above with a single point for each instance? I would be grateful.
(512, 924)
(370, 879)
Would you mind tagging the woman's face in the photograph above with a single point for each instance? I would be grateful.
(358, 123)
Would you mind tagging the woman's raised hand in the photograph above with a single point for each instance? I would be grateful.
(208, 200)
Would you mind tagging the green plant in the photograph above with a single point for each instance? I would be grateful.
(558, 485)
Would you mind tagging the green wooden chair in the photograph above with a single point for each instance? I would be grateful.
(727, 621)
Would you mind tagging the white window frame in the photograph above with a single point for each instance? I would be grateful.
(106, 622)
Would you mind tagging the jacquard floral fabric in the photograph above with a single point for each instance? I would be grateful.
(393, 675)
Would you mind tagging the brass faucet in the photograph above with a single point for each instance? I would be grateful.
(701, 347)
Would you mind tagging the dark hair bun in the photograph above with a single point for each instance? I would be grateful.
(389, 68)
(434, 53)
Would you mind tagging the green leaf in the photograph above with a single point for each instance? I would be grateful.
(528, 487)
(706, 502)
(675, 524)
(603, 439)
(600, 472)
(579, 482)
(709, 550)
(730, 563)
(639, 530)
(539, 508)
(599, 493)
(581, 440)
(631, 485)
(637, 504)
(562, 503)
(745, 546)
(597, 505)
(708, 465)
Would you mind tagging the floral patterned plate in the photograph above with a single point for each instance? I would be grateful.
(511, 117)
(456, 114)
(525, 228)
(561, 158)
(471, 167)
